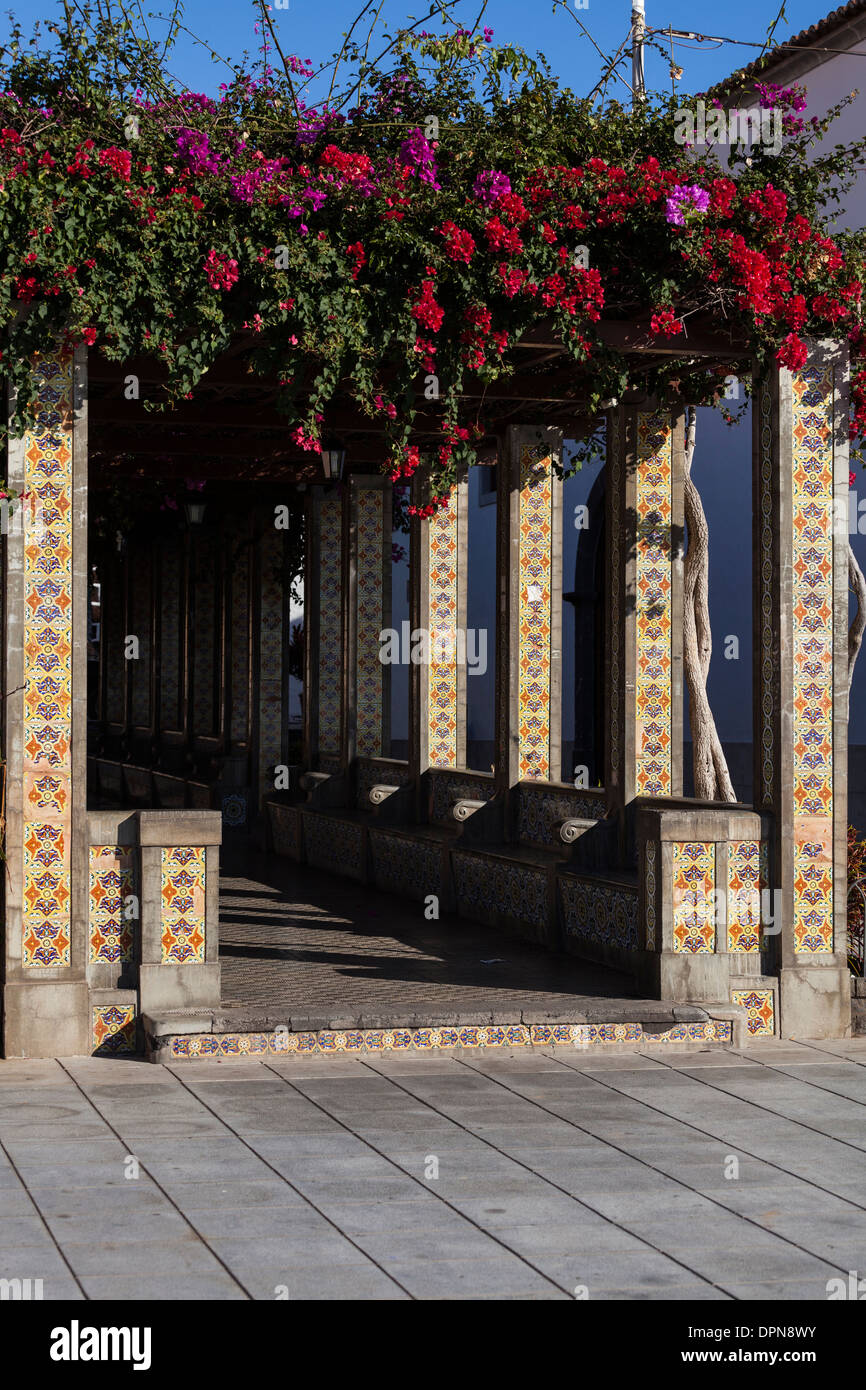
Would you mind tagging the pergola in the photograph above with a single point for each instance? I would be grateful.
(111, 920)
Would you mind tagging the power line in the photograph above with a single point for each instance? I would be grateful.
(748, 43)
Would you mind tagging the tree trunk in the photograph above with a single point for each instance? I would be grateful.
(858, 622)
(712, 778)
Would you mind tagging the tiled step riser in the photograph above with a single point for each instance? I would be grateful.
(589, 1037)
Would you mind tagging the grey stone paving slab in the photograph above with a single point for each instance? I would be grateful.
(424, 1213)
(624, 1271)
(134, 1197)
(581, 1231)
(95, 1173)
(37, 1262)
(502, 1277)
(277, 1257)
(459, 1241)
(147, 1258)
(167, 1288)
(28, 1229)
(269, 1192)
(338, 1282)
(163, 1223)
(381, 1188)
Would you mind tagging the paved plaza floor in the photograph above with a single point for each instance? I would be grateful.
(298, 943)
(545, 1175)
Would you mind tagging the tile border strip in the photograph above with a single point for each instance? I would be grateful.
(358, 1040)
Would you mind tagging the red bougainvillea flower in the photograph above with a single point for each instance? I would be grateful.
(118, 162)
(792, 353)
(357, 254)
(665, 321)
(426, 311)
(305, 440)
(459, 245)
(354, 167)
(221, 271)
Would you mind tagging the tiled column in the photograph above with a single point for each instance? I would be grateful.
(324, 667)
(205, 561)
(530, 633)
(46, 999)
(171, 560)
(439, 593)
(141, 626)
(369, 613)
(644, 700)
(240, 645)
(270, 656)
(801, 601)
(113, 601)
(179, 910)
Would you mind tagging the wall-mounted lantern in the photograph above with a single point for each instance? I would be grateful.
(333, 462)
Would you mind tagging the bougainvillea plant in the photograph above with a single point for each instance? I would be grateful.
(400, 239)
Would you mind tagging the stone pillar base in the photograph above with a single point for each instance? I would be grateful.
(686, 979)
(44, 1019)
(195, 986)
(815, 1002)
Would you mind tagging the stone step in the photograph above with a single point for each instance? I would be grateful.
(612, 1025)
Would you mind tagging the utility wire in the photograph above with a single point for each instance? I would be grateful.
(681, 34)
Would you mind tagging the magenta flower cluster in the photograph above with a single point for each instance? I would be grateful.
(490, 186)
(419, 155)
(683, 197)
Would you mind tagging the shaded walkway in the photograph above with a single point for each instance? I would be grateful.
(327, 952)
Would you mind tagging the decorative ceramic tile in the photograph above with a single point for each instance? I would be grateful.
(270, 639)
(523, 893)
(769, 664)
(369, 671)
(113, 1029)
(613, 465)
(240, 674)
(47, 697)
(333, 844)
(169, 647)
(813, 658)
(535, 537)
(357, 1040)
(141, 606)
(759, 1003)
(746, 860)
(403, 865)
(330, 674)
(442, 541)
(286, 830)
(112, 881)
(234, 809)
(604, 913)
(694, 881)
(541, 810)
(653, 775)
(202, 635)
(183, 905)
(491, 888)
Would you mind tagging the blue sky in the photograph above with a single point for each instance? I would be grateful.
(312, 29)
